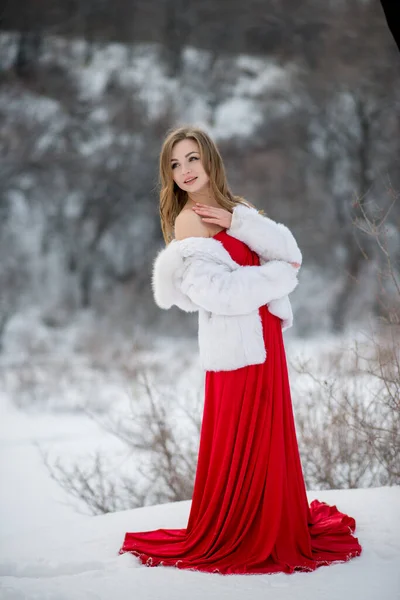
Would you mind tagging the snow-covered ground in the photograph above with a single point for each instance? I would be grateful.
(50, 548)
(50, 551)
(61, 562)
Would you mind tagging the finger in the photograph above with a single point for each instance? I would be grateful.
(206, 211)
(210, 220)
(206, 207)
(210, 208)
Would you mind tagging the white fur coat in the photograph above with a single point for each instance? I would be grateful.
(198, 274)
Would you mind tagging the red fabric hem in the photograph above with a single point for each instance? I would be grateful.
(328, 528)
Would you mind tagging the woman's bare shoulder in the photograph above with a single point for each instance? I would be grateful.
(189, 224)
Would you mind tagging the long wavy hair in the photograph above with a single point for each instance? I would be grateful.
(172, 197)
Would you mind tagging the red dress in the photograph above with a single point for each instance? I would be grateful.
(249, 511)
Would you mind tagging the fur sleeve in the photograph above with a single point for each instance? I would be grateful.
(271, 240)
(199, 272)
(282, 308)
(166, 272)
(223, 291)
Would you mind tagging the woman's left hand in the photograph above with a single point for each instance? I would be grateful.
(210, 214)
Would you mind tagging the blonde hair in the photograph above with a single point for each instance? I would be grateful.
(172, 197)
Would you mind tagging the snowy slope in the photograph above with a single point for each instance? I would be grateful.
(49, 551)
(236, 87)
(61, 563)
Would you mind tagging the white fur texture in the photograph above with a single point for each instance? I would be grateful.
(269, 239)
(282, 308)
(199, 274)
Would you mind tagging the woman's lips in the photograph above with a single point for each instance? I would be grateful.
(191, 181)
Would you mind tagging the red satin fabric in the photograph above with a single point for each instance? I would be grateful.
(249, 511)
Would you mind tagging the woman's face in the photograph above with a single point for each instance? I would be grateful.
(187, 169)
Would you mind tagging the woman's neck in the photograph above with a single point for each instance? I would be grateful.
(204, 196)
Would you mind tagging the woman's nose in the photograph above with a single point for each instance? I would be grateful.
(185, 169)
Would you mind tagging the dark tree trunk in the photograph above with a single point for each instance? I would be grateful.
(29, 47)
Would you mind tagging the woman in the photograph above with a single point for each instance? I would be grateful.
(236, 267)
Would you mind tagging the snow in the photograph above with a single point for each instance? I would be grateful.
(50, 551)
(225, 95)
(237, 115)
(259, 75)
(61, 562)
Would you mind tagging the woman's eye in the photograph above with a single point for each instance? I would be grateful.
(173, 166)
(193, 158)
